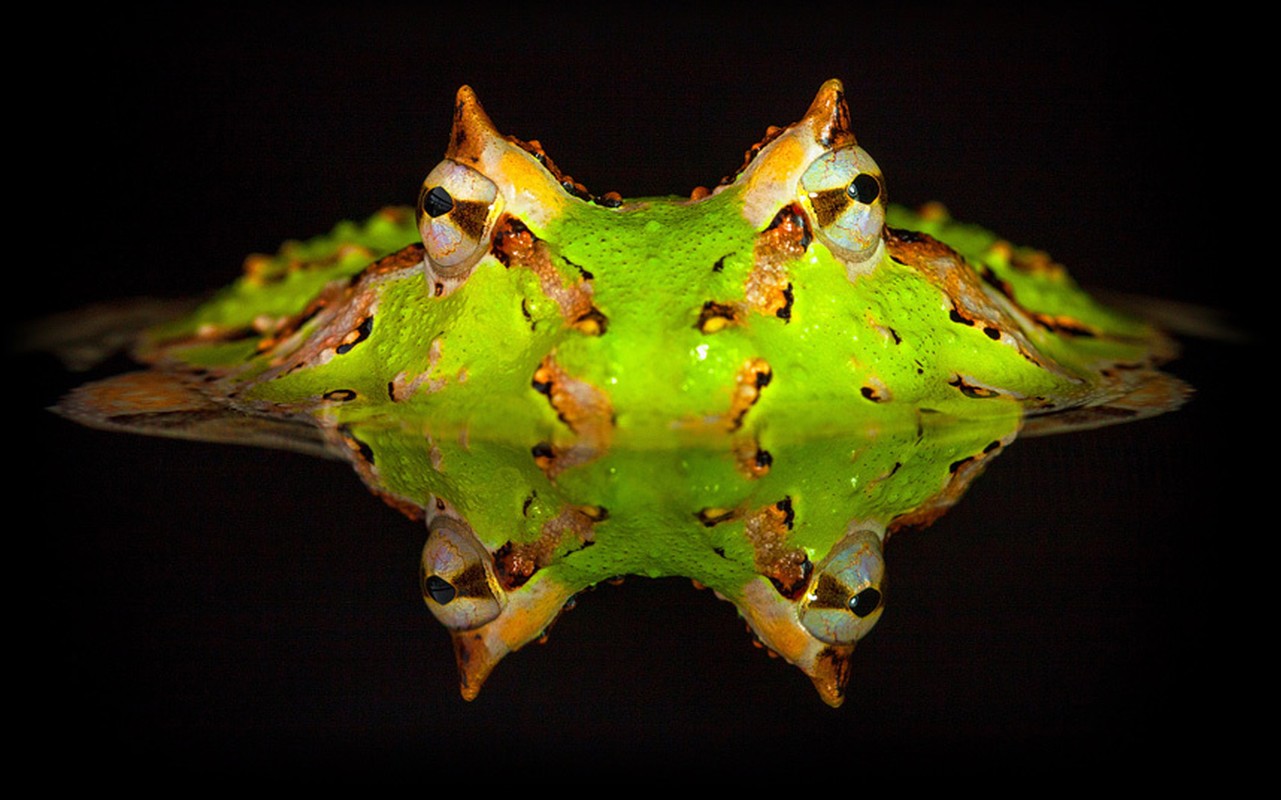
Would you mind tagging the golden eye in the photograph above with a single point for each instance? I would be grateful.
(457, 208)
(844, 598)
(845, 196)
(457, 576)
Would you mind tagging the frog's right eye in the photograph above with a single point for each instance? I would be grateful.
(845, 195)
(457, 577)
(844, 598)
(457, 208)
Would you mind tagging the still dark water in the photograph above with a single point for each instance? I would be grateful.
(196, 603)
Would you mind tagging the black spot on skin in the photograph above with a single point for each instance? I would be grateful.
(340, 395)
(542, 450)
(595, 514)
(904, 235)
(460, 134)
(789, 516)
(995, 445)
(357, 336)
(391, 391)
(764, 459)
(793, 590)
(514, 227)
(714, 516)
(720, 263)
(365, 452)
(972, 391)
(720, 551)
(576, 190)
(992, 333)
(710, 313)
(509, 577)
(897, 339)
(524, 507)
(592, 322)
(785, 313)
(955, 465)
(439, 289)
(955, 316)
(870, 393)
(586, 275)
(794, 215)
(542, 387)
(763, 378)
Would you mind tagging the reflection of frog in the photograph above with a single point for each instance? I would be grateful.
(535, 309)
(789, 531)
(762, 317)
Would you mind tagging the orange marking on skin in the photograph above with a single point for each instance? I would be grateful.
(754, 376)
(583, 407)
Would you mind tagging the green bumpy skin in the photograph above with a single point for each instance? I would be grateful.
(752, 386)
(779, 298)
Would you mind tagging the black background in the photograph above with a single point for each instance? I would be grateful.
(225, 610)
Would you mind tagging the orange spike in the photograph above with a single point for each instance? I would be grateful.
(472, 126)
(829, 115)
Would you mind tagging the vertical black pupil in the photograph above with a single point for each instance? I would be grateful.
(865, 602)
(436, 201)
(864, 188)
(440, 589)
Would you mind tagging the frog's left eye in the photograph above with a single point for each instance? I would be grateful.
(457, 576)
(456, 211)
(845, 196)
(844, 600)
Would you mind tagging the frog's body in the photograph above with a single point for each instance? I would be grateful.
(620, 321)
(780, 306)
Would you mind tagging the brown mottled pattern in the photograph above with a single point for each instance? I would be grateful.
(516, 562)
(583, 407)
(975, 302)
(518, 248)
(963, 474)
(754, 376)
(788, 568)
(828, 205)
(784, 241)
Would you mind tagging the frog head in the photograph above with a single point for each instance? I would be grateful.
(624, 298)
(817, 628)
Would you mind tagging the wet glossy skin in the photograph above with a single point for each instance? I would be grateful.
(558, 335)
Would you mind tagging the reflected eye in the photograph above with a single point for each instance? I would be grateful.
(845, 196)
(844, 599)
(456, 211)
(457, 578)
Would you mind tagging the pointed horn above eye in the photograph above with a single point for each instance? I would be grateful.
(829, 116)
(768, 181)
(472, 127)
